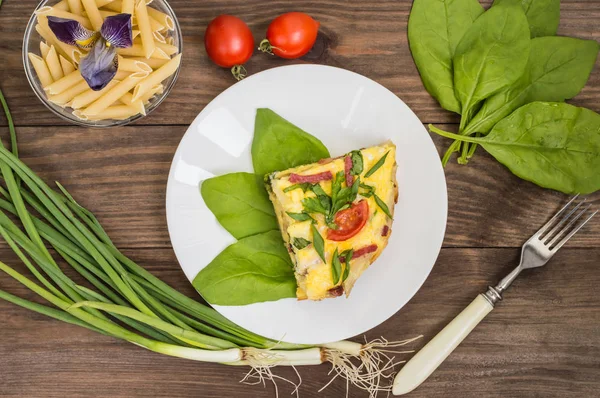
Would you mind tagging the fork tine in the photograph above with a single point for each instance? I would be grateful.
(573, 232)
(551, 221)
(559, 224)
(569, 225)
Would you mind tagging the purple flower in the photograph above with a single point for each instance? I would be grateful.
(100, 65)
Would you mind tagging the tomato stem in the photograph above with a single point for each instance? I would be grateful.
(239, 72)
(266, 47)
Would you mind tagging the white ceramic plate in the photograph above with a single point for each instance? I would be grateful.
(346, 111)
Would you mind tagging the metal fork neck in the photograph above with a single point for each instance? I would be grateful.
(494, 294)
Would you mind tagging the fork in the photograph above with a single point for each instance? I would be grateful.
(535, 253)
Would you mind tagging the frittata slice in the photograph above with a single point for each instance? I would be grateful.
(335, 217)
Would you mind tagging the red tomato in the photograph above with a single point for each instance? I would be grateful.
(349, 221)
(228, 41)
(291, 35)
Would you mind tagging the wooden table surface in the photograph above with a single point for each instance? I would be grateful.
(542, 341)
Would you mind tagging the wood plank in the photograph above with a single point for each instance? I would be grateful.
(121, 174)
(542, 340)
(365, 37)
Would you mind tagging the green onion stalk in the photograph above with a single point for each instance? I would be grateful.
(127, 302)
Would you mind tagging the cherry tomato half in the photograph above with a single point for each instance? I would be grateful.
(228, 41)
(349, 221)
(291, 35)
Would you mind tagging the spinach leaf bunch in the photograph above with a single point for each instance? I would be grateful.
(257, 267)
(485, 65)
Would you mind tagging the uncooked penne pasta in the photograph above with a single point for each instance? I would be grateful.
(162, 18)
(46, 11)
(89, 96)
(122, 74)
(158, 38)
(105, 13)
(41, 69)
(155, 25)
(127, 99)
(137, 50)
(102, 3)
(141, 12)
(127, 6)
(75, 6)
(156, 77)
(44, 48)
(131, 65)
(151, 93)
(66, 66)
(117, 112)
(70, 93)
(141, 68)
(115, 6)
(154, 63)
(167, 48)
(93, 14)
(62, 5)
(66, 82)
(96, 108)
(54, 64)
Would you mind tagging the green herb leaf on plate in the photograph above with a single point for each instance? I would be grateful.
(301, 243)
(347, 255)
(554, 145)
(252, 270)
(435, 28)
(336, 268)
(304, 186)
(357, 163)
(300, 216)
(368, 190)
(318, 242)
(240, 203)
(384, 208)
(377, 165)
(279, 145)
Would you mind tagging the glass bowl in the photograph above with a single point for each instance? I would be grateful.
(31, 43)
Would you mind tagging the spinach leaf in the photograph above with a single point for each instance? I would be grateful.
(241, 203)
(435, 28)
(554, 145)
(301, 243)
(542, 15)
(318, 242)
(384, 208)
(491, 56)
(252, 270)
(558, 68)
(279, 145)
(300, 216)
(336, 268)
(377, 165)
(357, 163)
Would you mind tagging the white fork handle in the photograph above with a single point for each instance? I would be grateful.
(422, 365)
